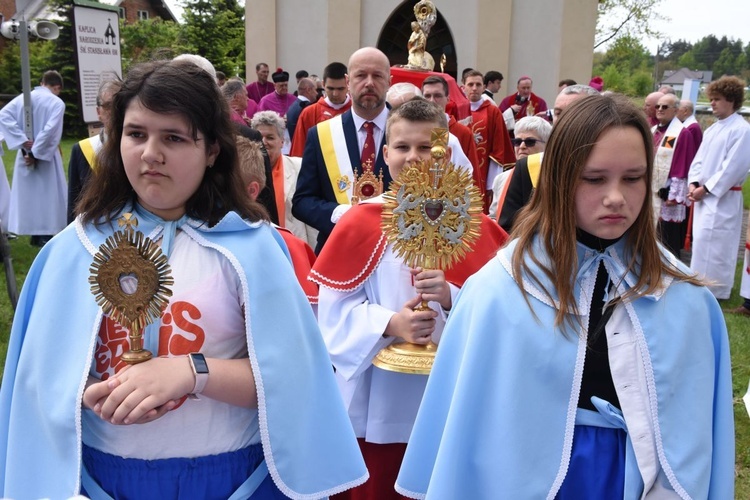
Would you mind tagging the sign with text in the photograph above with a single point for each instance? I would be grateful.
(97, 43)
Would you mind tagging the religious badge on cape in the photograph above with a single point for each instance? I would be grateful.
(130, 280)
(431, 217)
(367, 185)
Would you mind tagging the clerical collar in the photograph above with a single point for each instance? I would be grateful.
(661, 127)
(475, 105)
(594, 242)
(338, 106)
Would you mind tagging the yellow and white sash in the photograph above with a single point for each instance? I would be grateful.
(664, 154)
(90, 147)
(663, 162)
(534, 164)
(336, 157)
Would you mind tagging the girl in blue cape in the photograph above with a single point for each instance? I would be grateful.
(264, 418)
(583, 362)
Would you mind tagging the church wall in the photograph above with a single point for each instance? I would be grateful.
(535, 47)
(494, 21)
(577, 40)
(302, 46)
(260, 36)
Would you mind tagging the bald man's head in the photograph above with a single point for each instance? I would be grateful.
(368, 79)
(649, 105)
(685, 110)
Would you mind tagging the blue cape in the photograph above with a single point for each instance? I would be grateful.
(307, 439)
(497, 408)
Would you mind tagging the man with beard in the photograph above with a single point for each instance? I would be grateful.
(345, 145)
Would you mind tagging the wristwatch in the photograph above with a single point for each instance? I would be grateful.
(200, 370)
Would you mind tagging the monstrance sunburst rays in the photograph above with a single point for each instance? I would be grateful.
(130, 280)
(431, 217)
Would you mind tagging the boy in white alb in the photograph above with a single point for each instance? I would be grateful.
(366, 303)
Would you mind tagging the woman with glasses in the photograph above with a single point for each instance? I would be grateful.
(531, 134)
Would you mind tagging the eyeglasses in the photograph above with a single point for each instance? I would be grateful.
(663, 107)
(530, 142)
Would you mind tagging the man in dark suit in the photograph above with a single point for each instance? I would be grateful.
(307, 94)
(338, 148)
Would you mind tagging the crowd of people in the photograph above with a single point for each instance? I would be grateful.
(565, 368)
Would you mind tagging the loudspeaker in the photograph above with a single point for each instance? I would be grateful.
(9, 29)
(44, 30)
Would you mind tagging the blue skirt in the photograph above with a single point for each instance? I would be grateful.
(597, 462)
(209, 477)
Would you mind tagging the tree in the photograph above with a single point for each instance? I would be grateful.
(150, 39)
(687, 60)
(40, 52)
(627, 54)
(618, 18)
(725, 64)
(215, 29)
(674, 50)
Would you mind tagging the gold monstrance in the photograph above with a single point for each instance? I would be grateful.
(129, 278)
(431, 217)
(368, 185)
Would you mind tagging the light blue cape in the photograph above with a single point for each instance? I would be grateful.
(307, 439)
(496, 410)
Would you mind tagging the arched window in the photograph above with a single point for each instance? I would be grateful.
(395, 34)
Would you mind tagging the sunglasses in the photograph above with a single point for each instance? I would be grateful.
(662, 107)
(530, 143)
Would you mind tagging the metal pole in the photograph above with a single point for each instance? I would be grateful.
(23, 35)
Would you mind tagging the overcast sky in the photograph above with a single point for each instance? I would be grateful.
(691, 20)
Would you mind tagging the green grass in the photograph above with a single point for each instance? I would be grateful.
(9, 157)
(738, 326)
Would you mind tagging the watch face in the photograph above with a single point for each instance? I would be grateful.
(200, 363)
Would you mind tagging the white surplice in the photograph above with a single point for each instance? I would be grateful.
(382, 405)
(4, 192)
(39, 195)
(721, 164)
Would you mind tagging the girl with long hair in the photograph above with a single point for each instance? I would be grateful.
(584, 361)
(239, 400)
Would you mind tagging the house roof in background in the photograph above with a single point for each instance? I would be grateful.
(678, 77)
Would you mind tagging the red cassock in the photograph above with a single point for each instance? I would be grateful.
(303, 259)
(493, 143)
(311, 116)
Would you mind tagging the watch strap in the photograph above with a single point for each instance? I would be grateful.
(200, 371)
